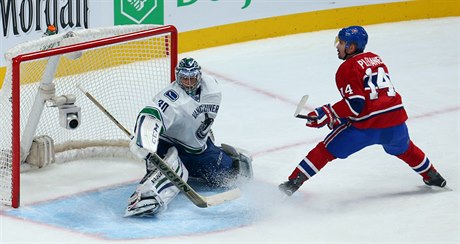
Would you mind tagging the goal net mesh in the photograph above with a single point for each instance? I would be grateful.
(123, 76)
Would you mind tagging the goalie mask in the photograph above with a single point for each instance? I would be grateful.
(188, 75)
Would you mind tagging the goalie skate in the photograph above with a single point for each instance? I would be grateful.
(142, 205)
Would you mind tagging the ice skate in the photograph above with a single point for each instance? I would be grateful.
(288, 187)
(434, 179)
(292, 185)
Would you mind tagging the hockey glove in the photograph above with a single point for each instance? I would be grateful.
(323, 116)
(338, 121)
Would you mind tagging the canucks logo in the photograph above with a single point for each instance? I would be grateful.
(171, 95)
(204, 127)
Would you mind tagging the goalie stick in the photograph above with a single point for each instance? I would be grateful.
(190, 193)
(299, 108)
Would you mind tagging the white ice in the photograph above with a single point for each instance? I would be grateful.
(369, 197)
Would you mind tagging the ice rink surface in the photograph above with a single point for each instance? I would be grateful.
(368, 197)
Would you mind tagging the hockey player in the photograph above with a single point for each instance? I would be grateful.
(177, 127)
(370, 112)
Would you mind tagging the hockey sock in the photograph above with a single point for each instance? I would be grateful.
(417, 160)
(315, 160)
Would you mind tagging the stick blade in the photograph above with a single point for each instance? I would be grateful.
(300, 106)
(223, 197)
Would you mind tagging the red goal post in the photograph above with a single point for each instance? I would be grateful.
(46, 119)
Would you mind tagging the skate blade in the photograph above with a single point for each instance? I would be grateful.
(445, 188)
(437, 188)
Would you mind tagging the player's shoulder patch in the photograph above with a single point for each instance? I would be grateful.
(171, 95)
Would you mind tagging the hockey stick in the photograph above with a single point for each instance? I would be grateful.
(197, 199)
(299, 108)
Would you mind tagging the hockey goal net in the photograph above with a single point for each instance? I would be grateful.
(45, 118)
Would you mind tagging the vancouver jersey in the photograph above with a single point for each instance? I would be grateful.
(186, 121)
(369, 99)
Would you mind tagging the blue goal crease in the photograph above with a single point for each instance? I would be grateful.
(101, 213)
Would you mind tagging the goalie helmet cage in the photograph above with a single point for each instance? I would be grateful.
(123, 66)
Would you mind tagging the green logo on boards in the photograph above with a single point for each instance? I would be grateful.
(182, 3)
(139, 12)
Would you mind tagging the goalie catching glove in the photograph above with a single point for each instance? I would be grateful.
(322, 116)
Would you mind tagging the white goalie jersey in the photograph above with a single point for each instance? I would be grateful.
(186, 121)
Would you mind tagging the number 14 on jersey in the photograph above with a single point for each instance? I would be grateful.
(378, 80)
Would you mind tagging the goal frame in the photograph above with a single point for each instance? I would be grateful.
(15, 85)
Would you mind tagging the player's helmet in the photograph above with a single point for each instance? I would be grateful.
(187, 69)
(354, 34)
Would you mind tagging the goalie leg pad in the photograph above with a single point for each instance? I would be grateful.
(242, 161)
(144, 201)
(155, 191)
(167, 191)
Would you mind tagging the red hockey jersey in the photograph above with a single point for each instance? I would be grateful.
(369, 99)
